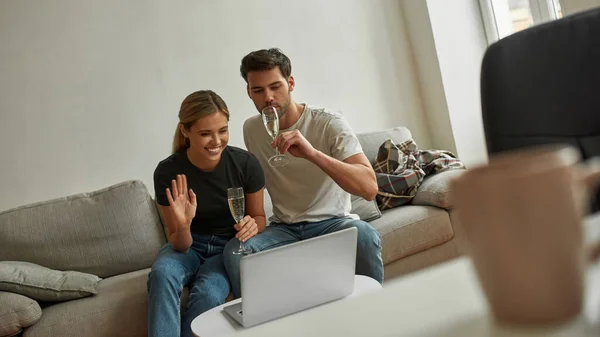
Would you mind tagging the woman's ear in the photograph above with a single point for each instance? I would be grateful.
(183, 130)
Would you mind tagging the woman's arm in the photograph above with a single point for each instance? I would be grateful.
(179, 236)
(255, 221)
(179, 214)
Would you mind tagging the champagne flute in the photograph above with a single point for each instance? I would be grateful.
(270, 116)
(237, 206)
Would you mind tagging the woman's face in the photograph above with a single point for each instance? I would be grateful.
(208, 136)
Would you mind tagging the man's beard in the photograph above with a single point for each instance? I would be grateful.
(282, 108)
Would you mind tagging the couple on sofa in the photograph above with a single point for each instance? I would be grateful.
(311, 195)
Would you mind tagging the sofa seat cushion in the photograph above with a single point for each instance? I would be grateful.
(108, 232)
(435, 189)
(17, 312)
(119, 309)
(409, 229)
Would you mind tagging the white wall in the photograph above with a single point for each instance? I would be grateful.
(431, 87)
(461, 43)
(448, 42)
(89, 90)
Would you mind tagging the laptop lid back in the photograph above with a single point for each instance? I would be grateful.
(294, 277)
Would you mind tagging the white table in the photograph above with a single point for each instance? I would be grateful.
(445, 300)
(216, 323)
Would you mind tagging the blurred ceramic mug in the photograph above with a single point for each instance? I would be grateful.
(523, 216)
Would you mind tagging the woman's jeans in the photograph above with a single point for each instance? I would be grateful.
(201, 269)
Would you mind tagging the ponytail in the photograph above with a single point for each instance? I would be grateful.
(179, 141)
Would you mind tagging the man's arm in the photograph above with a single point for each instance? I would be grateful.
(355, 174)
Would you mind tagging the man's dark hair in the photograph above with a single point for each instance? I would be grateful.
(266, 59)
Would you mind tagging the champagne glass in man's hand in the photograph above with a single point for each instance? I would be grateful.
(270, 116)
(182, 201)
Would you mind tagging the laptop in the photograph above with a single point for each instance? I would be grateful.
(295, 277)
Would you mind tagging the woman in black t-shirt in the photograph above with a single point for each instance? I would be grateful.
(191, 189)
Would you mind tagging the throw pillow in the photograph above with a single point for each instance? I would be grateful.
(17, 312)
(435, 189)
(366, 210)
(45, 284)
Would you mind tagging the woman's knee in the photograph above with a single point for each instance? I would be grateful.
(209, 295)
(166, 272)
(231, 246)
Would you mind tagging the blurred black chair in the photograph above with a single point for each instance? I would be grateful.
(542, 86)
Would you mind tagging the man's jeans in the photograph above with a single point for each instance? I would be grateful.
(368, 255)
(201, 268)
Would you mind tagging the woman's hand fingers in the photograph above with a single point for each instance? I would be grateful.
(184, 188)
(247, 230)
(192, 197)
(180, 184)
(252, 231)
(174, 188)
(169, 197)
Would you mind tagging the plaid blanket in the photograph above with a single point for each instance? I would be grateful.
(400, 169)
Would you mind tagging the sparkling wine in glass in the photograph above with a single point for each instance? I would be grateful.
(270, 116)
(237, 206)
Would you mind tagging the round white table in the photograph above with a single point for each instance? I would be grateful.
(216, 323)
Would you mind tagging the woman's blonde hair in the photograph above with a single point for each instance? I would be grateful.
(195, 106)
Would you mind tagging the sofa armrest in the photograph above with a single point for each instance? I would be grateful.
(435, 190)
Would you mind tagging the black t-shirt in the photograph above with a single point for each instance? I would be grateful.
(237, 168)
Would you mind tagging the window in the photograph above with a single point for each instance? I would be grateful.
(504, 17)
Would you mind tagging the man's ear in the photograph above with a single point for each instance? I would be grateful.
(248, 90)
(291, 82)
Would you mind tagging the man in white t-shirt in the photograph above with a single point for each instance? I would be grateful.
(311, 194)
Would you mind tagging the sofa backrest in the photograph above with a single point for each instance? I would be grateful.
(371, 141)
(107, 232)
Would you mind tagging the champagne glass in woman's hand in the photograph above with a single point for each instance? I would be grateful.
(270, 116)
(182, 201)
(237, 206)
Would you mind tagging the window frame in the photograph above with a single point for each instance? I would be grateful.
(541, 11)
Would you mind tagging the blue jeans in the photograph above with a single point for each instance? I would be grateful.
(201, 269)
(368, 255)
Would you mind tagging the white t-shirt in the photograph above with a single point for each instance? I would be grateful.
(301, 191)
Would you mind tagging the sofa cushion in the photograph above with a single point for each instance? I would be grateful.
(371, 141)
(435, 189)
(119, 309)
(107, 232)
(45, 284)
(366, 210)
(409, 229)
(17, 312)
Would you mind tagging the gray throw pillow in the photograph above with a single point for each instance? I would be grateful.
(45, 284)
(366, 210)
(435, 189)
(17, 312)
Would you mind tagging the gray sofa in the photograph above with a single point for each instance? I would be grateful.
(116, 232)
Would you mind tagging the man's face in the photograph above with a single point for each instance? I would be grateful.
(269, 87)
